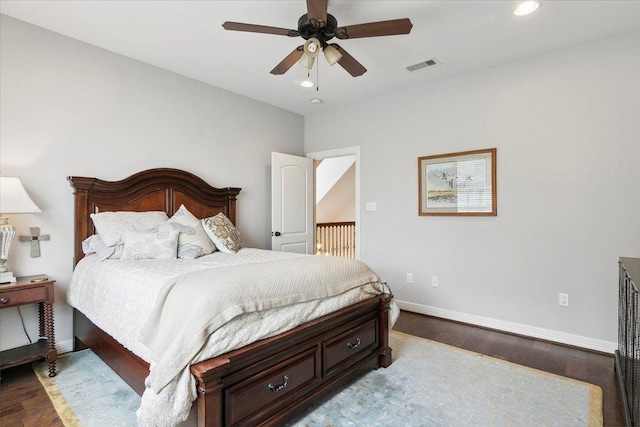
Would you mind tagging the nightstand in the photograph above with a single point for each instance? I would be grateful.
(31, 290)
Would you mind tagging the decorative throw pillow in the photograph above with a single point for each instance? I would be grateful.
(112, 225)
(222, 233)
(192, 240)
(141, 245)
(94, 245)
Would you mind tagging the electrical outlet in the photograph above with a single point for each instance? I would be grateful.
(563, 299)
(434, 281)
(409, 277)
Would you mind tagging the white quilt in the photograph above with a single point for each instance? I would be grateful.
(119, 297)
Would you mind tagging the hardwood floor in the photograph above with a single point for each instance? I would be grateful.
(592, 367)
(23, 401)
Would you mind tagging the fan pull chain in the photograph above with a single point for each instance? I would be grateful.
(318, 77)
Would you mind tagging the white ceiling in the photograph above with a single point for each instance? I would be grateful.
(187, 37)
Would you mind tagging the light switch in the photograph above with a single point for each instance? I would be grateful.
(371, 206)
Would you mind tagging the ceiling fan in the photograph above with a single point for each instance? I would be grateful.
(317, 27)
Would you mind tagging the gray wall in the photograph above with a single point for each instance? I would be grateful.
(69, 108)
(567, 130)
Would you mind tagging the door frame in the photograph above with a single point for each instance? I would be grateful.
(341, 152)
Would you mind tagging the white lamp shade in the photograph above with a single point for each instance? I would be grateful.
(307, 61)
(312, 47)
(14, 198)
(332, 55)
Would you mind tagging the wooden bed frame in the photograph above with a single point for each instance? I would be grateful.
(260, 384)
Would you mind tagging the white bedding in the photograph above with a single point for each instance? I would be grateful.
(119, 296)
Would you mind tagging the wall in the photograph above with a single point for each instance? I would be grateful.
(69, 108)
(567, 133)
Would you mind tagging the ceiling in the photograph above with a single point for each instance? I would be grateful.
(187, 37)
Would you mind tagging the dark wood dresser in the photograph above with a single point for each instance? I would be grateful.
(628, 354)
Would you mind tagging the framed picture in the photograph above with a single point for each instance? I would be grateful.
(462, 184)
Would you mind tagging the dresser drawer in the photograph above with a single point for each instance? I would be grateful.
(355, 341)
(23, 296)
(268, 391)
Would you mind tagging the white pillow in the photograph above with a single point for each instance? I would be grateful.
(222, 233)
(192, 240)
(94, 245)
(141, 245)
(111, 226)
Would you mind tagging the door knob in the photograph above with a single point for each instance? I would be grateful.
(277, 233)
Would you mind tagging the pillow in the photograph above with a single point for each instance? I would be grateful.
(141, 245)
(94, 245)
(112, 225)
(192, 240)
(222, 233)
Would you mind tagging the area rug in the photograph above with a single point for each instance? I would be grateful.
(87, 393)
(429, 384)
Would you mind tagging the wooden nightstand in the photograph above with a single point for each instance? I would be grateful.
(31, 290)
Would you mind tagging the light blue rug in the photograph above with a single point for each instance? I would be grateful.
(429, 384)
(87, 393)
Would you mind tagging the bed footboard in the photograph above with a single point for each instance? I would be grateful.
(270, 380)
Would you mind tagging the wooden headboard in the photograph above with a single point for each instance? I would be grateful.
(161, 189)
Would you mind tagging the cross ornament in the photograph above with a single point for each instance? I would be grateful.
(35, 239)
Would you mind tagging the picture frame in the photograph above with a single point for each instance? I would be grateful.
(458, 184)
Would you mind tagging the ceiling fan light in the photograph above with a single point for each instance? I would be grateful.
(526, 8)
(332, 55)
(307, 61)
(312, 47)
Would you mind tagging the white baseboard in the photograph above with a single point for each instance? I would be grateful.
(64, 347)
(515, 328)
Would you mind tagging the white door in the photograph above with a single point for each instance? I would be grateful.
(292, 204)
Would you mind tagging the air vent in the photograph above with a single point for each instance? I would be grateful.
(425, 64)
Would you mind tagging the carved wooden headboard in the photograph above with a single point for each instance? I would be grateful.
(161, 189)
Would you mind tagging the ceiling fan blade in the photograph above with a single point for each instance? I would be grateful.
(253, 28)
(317, 12)
(375, 29)
(288, 62)
(349, 63)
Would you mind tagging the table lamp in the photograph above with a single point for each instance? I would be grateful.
(13, 200)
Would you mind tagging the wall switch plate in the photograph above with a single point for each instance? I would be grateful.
(371, 206)
(409, 277)
(563, 299)
(434, 281)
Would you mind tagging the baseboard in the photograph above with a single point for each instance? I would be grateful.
(64, 347)
(515, 328)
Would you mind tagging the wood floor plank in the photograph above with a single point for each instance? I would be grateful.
(23, 400)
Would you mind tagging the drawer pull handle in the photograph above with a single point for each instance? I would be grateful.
(356, 345)
(4, 300)
(280, 387)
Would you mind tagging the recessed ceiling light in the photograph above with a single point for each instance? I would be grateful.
(306, 83)
(316, 101)
(526, 8)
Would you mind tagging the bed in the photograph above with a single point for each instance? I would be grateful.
(265, 382)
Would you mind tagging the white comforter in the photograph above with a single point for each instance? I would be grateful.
(119, 297)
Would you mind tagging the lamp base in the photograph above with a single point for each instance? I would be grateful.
(7, 277)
